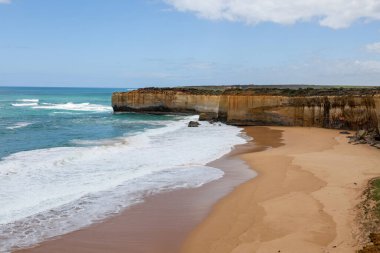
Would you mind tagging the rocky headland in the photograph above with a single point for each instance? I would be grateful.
(310, 106)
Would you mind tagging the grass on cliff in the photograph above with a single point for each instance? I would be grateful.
(371, 204)
(370, 217)
(375, 195)
(272, 90)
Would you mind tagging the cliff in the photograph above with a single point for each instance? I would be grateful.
(340, 108)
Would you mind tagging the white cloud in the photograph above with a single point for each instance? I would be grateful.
(331, 13)
(374, 47)
(5, 1)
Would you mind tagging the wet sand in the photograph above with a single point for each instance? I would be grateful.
(303, 199)
(161, 223)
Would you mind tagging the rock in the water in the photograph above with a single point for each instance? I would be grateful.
(208, 116)
(193, 124)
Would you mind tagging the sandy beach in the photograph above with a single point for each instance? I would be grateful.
(190, 126)
(303, 200)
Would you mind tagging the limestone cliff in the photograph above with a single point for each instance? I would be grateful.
(322, 107)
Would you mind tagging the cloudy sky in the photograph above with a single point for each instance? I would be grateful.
(136, 43)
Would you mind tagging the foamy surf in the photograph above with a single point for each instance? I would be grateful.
(48, 192)
(106, 142)
(83, 107)
(86, 107)
(24, 104)
(32, 100)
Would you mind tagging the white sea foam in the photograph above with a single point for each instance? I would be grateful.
(74, 107)
(86, 107)
(47, 192)
(19, 125)
(33, 100)
(105, 142)
(24, 104)
(147, 122)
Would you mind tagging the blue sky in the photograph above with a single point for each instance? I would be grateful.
(137, 43)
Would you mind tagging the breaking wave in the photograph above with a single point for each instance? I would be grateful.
(86, 107)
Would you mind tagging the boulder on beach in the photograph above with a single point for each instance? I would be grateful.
(193, 124)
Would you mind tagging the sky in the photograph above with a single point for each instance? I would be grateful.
(141, 43)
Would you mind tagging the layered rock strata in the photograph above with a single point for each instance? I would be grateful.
(322, 107)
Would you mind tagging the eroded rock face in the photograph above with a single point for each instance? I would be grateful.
(163, 101)
(330, 112)
(340, 110)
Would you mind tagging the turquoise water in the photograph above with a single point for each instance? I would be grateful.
(66, 161)
(36, 118)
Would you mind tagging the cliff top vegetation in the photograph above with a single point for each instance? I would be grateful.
(272, 90)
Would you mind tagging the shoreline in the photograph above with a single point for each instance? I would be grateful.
(303, 199)
(162, 222)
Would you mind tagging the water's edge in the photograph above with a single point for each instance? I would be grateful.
(162, 221)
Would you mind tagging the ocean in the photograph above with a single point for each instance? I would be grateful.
(67, 161)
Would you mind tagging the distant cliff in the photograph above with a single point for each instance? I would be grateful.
(340, 108)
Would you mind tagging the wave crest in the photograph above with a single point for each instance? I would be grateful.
(32, 100)
(70, 106)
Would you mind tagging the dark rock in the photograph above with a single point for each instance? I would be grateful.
(193, 124)
(208, 116)
(345, 132)
(375, 238)
(374, 247)
(361, 134)
(365, 137)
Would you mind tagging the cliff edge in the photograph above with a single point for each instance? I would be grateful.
(339, 108)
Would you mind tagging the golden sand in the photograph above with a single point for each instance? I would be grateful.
(303, 199)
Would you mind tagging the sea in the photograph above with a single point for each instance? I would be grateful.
(67, 161)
